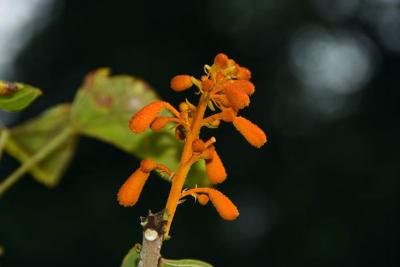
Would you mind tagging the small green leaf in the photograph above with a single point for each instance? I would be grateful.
(29, 138)
(103, 107)
(184, 263)
(17, 96)
(132, 258)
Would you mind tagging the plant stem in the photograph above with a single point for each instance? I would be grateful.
(150, 253)
(153, 237)
(40, 155)
(3, 139)
(179, 178)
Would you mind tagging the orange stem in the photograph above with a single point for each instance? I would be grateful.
(179, 178)
(194, 191)
(163, 168)
(210, 141)
(209, 119)
(172, 109)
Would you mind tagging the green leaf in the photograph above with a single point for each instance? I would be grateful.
(184, 263)
(29, 138)
(103, 107)
(132, 258)
(17, 96)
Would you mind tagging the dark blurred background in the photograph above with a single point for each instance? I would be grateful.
(322, 192)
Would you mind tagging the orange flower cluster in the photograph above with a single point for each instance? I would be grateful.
(229, 89)
(225, 86)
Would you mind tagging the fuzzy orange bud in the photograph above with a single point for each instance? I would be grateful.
(221, 60)
(243, 73)
(214, 123)
(224, 206)
(251, 132)
(183, 106)
(159, 123)
(130, 191)
(228, 115)
(142, 119)
(215, 169)
(181, 82)
(246, 86)
(237, 97)
(198, 145)
(202, 199)
(220, 77)
(222, 100)
(147, 165)
(207, 85)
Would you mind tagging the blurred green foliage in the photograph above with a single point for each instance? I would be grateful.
(29, 138)
(132, 258)
(101, 109)
(17, 96)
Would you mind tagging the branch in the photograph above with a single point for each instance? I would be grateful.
(153, 237)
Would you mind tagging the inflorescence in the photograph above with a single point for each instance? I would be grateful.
(225, 89)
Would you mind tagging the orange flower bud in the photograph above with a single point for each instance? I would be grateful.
(243, 73)
(130, 191)
(214, 123)
(142, 119)
(159, 123)
(202, 199)
(232, 63)
(183, 106)
(221, 60)
(222, 100)
(208, 153)
(207, 85)
(251, 132)
(224, 206)
(198, 145)
(147, 165)
(246, 86)
(215, 169)
(181, 82)
(228, 115)
(220, 77)
(237, 97)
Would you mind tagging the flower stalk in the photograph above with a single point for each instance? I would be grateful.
(178, 180)
(225, 89)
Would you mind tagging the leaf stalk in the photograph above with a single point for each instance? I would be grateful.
(54, 143)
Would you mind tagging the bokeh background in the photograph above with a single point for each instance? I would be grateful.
(322, 192)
